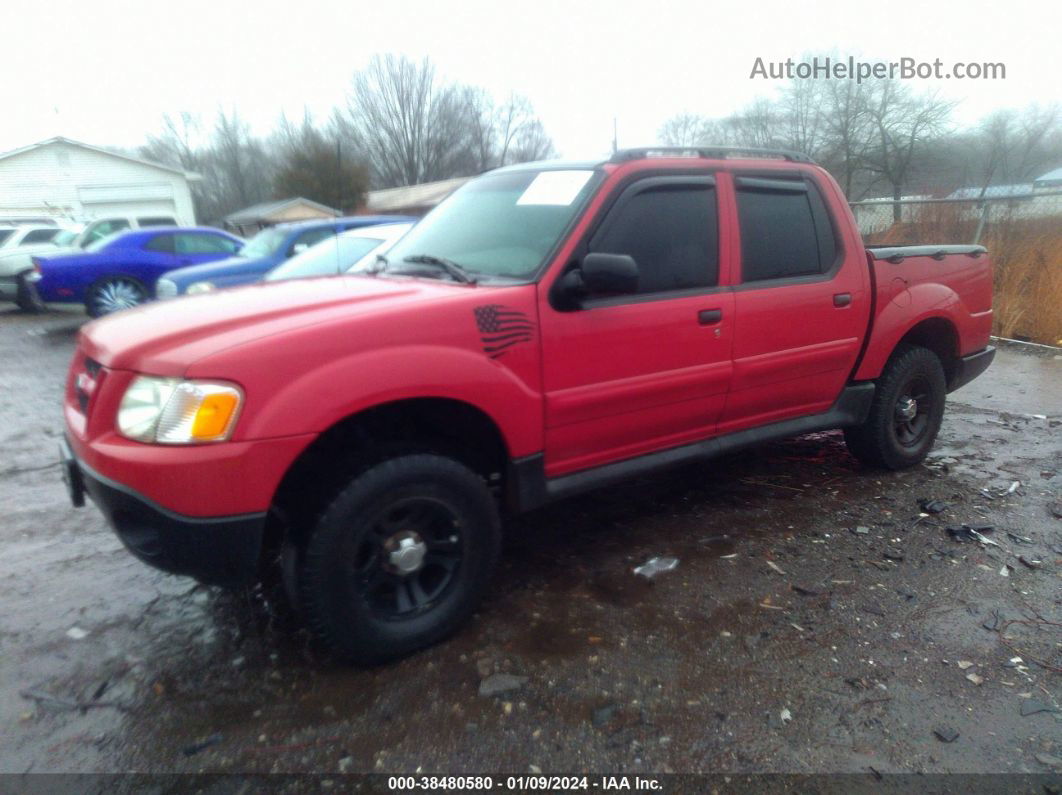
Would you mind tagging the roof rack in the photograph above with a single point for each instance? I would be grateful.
(708, 152)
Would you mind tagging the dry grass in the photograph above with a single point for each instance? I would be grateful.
(1026, 252)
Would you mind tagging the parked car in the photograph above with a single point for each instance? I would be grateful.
(263, 252)
(346, 252)
(119, 271)
(26, 235)
(16, 262)
(547, 329)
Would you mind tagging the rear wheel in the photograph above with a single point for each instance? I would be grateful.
(400, 558)
(27, 299)
(113, 295)
(906, 413)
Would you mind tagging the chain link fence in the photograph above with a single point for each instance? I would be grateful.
(1023, 234)
(885, 218)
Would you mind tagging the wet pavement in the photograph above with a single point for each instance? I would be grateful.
(817, 621)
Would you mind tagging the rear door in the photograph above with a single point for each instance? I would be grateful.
(631, 374)
(801, 301)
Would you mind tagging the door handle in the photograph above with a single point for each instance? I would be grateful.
(709, 317)
(842, 299)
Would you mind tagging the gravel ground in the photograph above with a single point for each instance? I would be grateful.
(817, 621)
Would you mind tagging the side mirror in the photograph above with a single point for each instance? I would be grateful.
(609, 273)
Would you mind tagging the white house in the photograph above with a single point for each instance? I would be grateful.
(60, 178)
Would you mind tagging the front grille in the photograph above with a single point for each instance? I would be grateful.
(86, 382)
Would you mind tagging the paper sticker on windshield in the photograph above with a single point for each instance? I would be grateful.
(555, 187)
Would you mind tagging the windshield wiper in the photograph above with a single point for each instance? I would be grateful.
(379, 266)
(452, 269)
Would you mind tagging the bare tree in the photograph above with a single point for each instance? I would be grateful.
(903, 123)
(686, 129)
(410, 122)
(311, 163)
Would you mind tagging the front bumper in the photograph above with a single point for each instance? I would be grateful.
(221, 550)
(970, 367)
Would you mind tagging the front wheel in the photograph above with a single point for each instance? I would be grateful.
(113, 295)
(906, 413)
(400, 558)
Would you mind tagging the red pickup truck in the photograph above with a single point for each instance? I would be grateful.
(549, 328)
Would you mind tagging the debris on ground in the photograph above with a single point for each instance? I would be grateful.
(977, 680)
(946, 734)
(861, 530)
(195, 748)
(1030, 706)
(1029, 562)
(785, 716)
(655, 566)
(964, 664)
(496, 684)
(775, 567)
(77, 633)
(933, 506)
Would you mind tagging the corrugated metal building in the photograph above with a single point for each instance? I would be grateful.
(61, 178)
(251, 219)
(411, 199)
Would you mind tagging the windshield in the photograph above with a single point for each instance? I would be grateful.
(502, 224)
(266, 242)
(102, 242)
(64, 238)
(5, 234)
(329, 257)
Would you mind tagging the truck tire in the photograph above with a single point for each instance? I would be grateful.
(400, 558)
(27, 299)
(906, 413)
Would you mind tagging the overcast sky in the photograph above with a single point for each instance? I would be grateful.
(104, 71)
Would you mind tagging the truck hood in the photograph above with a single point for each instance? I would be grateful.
(166, 338)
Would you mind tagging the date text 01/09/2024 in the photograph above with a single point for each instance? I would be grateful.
(521, 783)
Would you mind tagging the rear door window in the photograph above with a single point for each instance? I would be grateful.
(40, 236)
(785, 229)
(161, 220)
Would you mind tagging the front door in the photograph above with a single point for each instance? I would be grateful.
(626, 375)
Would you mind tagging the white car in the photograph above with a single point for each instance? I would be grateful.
(27, 235)
(18, 246)
(350, 251)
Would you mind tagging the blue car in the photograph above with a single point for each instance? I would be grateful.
(119, 271)
(263, 252)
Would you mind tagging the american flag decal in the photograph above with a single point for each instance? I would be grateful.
(501, 328)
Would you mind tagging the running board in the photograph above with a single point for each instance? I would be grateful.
(529, 487)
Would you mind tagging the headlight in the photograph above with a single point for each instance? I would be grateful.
(172, 411)
(165, 288)
(200, 287)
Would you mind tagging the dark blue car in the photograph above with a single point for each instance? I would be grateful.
(263, 252)
(119, 271)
